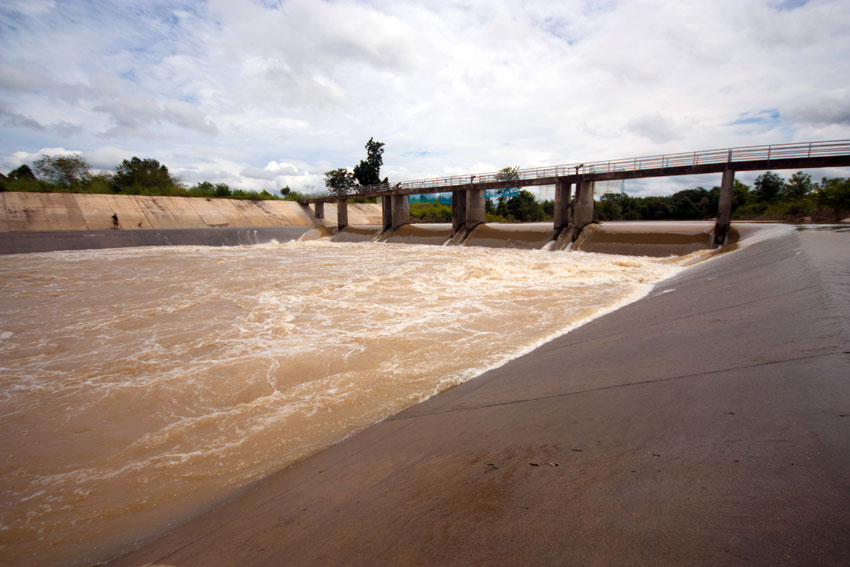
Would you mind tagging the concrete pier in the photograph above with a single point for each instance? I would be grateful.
(563, 194)
(475, 214)
(400, 206)
(341, 213)
(583, 206)
(458, 210)
(319, 209)
(386, 212)
(724, 207)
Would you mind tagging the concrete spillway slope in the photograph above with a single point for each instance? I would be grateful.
(37, 212)
(707, 424)
(43, 222)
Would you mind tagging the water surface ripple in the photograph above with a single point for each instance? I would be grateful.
(139, 385)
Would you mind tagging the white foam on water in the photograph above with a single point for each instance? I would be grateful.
(177, 373)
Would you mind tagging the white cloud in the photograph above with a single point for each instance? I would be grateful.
(656, 128)
(231, 90)
(107, 158)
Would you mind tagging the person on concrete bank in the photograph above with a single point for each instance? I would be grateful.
(114, 221)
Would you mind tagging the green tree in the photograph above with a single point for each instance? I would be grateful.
(524, 207)
(202, 189)
(609, 207)
(835, 194)
(768, 186)
(691, 204)
(68, 170)
(740, 194)
(368, 172)
(339, 181)
(98, 183)
(798, 187)
(510, 173)
(22, 173)
(143, 176)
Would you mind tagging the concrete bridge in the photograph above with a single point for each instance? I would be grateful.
(468, 190)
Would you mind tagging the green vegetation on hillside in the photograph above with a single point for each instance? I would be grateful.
(136, 176)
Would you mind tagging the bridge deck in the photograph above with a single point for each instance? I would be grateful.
(807, 155)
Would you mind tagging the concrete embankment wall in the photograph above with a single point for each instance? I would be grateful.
(43, 222)
(33, 212)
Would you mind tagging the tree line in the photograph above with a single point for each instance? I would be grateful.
(771, 197)
(73, 174)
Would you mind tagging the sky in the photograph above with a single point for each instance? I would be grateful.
(266, 94)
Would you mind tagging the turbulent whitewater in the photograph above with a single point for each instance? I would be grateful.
(137, 386)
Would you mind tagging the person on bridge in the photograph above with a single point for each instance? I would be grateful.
(115, 225)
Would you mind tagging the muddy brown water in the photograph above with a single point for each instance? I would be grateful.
(140, 385)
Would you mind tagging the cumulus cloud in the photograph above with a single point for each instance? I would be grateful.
(233, 91)
(142, 115)
(107, 158)
(272, 170)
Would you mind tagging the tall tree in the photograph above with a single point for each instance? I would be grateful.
(524, 207)
(22, 172)
(835, 194)
(68, 170)
(368, 172)
(768, 186)
(508, 174)
(339, 181)
(142, 175)
(798, 187)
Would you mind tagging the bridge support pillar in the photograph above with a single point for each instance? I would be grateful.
(400, 210)
(387, 212)
(583, 206)
(474, 208)
(724, 208)
(458, 210)
(341, 213)
(319, 209)
(563, 194)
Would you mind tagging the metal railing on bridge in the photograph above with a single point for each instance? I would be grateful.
(687, 159)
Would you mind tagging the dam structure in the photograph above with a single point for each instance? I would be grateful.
(44, 222)
(468, 190)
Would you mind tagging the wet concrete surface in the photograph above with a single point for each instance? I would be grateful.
(525, 235)
(648, 239)
(707, 424)
(436, 234)
(363, 233)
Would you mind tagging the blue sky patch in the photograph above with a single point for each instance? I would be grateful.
(766, 117)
